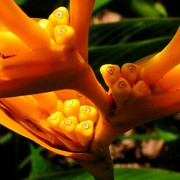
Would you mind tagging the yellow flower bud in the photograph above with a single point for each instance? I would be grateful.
(141, 89)
(68, 126)
(71, 107)
(59, 16)
(121, 91)
(84, 132)
(130, 72)
(55, 119)
(64, 35)
(88, 113)
(110, 73)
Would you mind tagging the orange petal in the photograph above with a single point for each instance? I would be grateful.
(163, 61)
(170, 81)
(40, 70)
(21, 106)
(80, 16)
(14, 126)
(48, 101)
(13, 18)
(11, 45)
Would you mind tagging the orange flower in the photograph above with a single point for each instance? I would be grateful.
(50, 94)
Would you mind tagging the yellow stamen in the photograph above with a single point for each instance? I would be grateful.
(84, 132)
(20, 24)
(71, 107)
(88, 112)
(59, 16)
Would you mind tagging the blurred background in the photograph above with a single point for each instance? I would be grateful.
(121, 31)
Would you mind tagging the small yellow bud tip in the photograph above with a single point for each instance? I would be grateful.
(88, 112)
(71, 107)
(60, 16)
(141, 89)
(84, 132)
(55, 119)
(68, 126)
(130, 72)
(121, 91)
(110, 73)
(64, 35)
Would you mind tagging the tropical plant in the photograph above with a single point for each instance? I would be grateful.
(49, 88)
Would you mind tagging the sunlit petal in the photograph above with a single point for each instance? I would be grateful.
(170, 81)
(80, 16)
(12, 17)
(16, 127)
(159, 64)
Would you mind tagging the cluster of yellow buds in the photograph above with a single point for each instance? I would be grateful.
(67, 123)
(57, 26)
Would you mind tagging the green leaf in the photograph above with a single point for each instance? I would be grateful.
(77, 174)
(21, 2)
(99, 4)
(4, 139)
(167, 130)
(132, 30)
(141, 174)
(145, 8)
(137, 137)
(120, 173)
(127, 52)
(39, 165)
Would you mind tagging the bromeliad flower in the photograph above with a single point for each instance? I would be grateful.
(50, 94)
